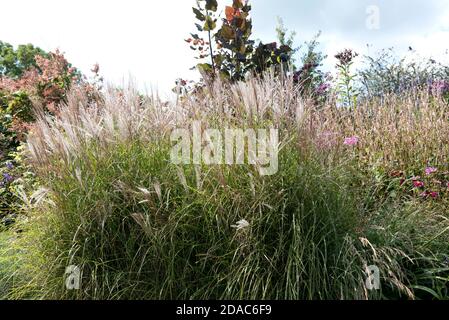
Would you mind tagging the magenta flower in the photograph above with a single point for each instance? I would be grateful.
(351, 141)
(425, 194)
(418, 184)
(322, 88)
(430, 170)
(434, 194)
(440, 87)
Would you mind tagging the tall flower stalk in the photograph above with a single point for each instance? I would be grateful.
(346, 90)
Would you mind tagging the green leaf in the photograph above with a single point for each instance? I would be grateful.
(211, 5)
(219, 59)
(204, 68)
(199, 27)
(227, 32)
(224, 75)
(199, 15)
(428, 290)
(210, 24)
(246, 8)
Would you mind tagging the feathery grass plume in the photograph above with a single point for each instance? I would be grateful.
(314, 227)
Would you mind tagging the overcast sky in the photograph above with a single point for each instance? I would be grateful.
(145, 37)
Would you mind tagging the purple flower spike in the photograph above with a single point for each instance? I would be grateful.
(9, 165)
(7, 178)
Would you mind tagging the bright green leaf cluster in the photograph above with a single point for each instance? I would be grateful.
(13, 63)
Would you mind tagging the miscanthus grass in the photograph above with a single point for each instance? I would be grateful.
(139, 227)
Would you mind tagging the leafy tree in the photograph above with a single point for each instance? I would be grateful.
(313, 82)
(13, 63)
(286, 39)
(234, 42)
(268, 55)
(235, 54)
(386, 73)
(205, 14)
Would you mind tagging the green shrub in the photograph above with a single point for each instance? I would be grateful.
(386, 73)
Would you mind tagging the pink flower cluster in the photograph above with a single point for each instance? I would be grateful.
(433, 183)
(418, 184)
(431, 194)
(430, 170)
(351, 141)
(440, 87)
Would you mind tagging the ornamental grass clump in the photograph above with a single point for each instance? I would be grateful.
(138, 226)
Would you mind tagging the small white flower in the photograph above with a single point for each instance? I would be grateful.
(78, 176)
(144, 191)
(242, 224)
(39, 195)
(157, 188)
